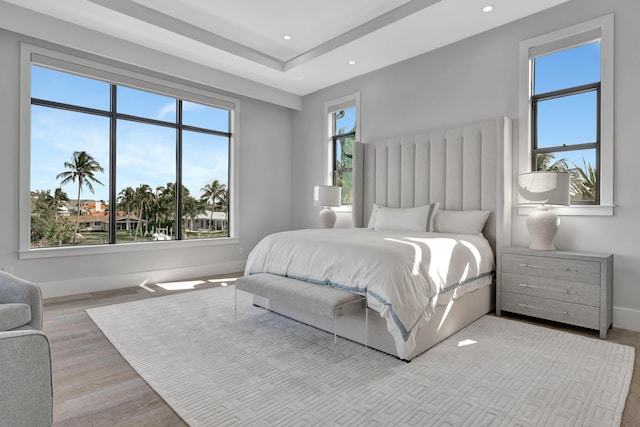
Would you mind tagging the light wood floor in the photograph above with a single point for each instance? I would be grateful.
(94, 386)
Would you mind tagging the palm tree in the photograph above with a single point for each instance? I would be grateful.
(59, 197)
(126, 199)
(81, 168)
(545, 162)
(143, 198)
(583, 181)
(222, 205)
(211, 194)
(191, 207)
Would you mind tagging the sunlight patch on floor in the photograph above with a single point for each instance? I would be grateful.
(464, 343)
(178, 286)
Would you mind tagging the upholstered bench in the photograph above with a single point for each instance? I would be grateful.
(322, 300)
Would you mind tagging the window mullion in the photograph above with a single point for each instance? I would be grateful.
(178, 201)
(567, 91)
(334, 160)
(113, 197)
(565, 148)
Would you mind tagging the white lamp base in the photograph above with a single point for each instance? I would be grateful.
(543, 226)
(327, 218)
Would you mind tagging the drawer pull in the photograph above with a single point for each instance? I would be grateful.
(542, 288)
(564, 313)
(544, 267)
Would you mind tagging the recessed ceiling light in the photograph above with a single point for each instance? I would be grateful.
(286, 37)
(352, 62)
(487, 8)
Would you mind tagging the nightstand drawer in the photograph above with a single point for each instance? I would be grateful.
(562, 290)
(558, 311)
(554, 268)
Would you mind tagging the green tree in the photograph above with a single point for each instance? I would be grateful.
(222, 205)
(143, 198)
(46, 227)
(41, 204)
(211, 194)
(583, 179)
(82, 169)
(191, 207)
(59, 199)
(584, 182)
(545, 162)
(126, 200)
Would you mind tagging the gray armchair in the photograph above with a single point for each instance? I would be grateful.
(26, 393)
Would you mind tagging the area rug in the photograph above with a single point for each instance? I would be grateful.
(265, 369)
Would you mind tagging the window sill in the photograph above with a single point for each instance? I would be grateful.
(73, 251)
(575, 210)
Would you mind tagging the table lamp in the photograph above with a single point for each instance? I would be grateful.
(544, 190)
(327, 196)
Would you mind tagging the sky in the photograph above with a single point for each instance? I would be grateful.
(145, 153)
(568, 120)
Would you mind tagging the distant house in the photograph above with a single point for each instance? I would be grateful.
(93, 222)
(207, 221)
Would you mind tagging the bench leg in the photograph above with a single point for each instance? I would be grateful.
(335, 333)
(366, 326)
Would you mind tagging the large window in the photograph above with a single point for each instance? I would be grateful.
(567, 110)
(116, 163)
(343, 130)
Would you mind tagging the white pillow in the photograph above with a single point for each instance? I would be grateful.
(405, 219)
(463, 222)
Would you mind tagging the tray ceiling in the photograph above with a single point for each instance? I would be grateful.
(246, 38)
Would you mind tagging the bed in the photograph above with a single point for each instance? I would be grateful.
(423, 281)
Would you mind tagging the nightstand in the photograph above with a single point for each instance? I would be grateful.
(575, 288)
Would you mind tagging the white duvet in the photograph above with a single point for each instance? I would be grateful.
(403, 274)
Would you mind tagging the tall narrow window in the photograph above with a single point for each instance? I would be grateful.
(566, 111)
(116, 164)
(343, 136)
(342, 124)
(566, 119)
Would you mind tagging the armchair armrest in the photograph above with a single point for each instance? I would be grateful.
(26, 391)
(16, 290)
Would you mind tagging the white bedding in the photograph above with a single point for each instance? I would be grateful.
(403, 274)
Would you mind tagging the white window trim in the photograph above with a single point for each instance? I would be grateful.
(604, 26)
(331, 106)
(30, 54)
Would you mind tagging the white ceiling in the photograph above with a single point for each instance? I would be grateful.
(245, 37)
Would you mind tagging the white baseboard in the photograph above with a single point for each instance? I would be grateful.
(85, 285)
(626, 318)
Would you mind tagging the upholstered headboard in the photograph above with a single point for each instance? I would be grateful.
(463, 167)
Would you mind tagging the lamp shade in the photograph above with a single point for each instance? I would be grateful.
(544, 188)
(326, 195)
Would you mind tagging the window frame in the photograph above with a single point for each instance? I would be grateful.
(595, 145)
(35, 55)
(330, 107)
(596, 29)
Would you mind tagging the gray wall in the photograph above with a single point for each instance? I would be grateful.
(476, 79)
(264, 139)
